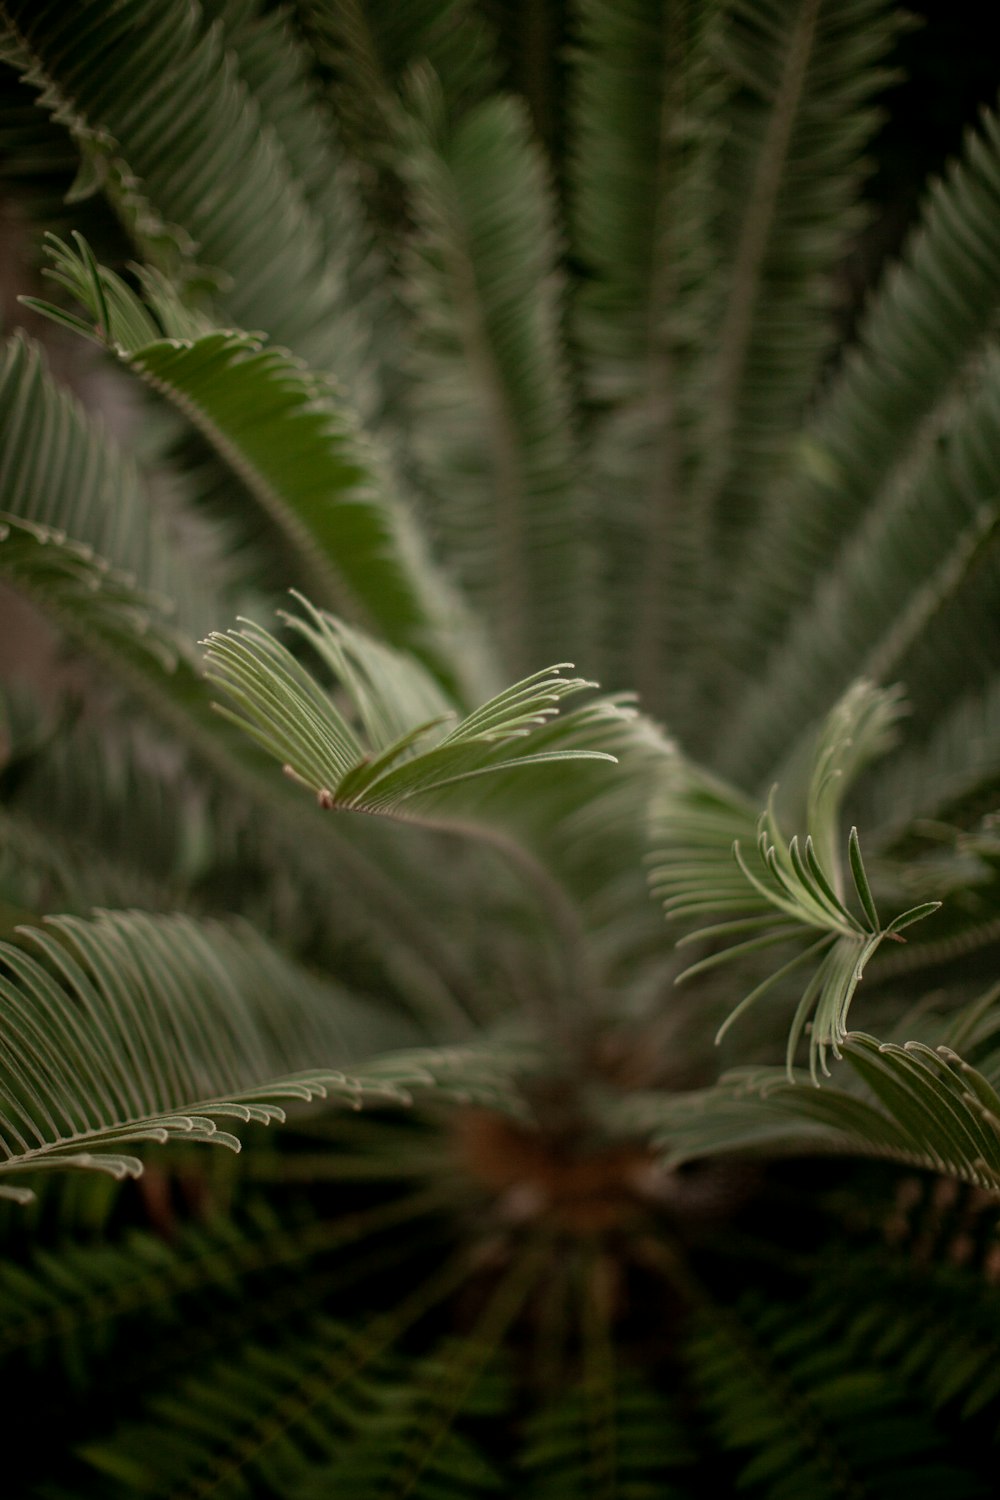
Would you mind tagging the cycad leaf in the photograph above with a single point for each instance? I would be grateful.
(804, 73)
(780, 891)
(920, 1105)
(82, 537)
(948, 779)
(909, 592)
(147, 89)
(83, 594)
(881, 417)
(369, 48)
(931, 1321)
(647, 90)
(381, 768)
(138, 1028)
(492, 428)
(409, 1445)
(650, 1450)
(60, 472)
(292, 1416)
(805, 1416)
(356, 333)
(290, 438)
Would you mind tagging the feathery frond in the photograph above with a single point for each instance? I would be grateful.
(141, 1028)
(146, 90)
(795, 1415)
(398, 704)
(917, 356)
(923, 1106)
(493, 436)
(289, 438)
(648, 86)
(788, 891)
(652, 1457)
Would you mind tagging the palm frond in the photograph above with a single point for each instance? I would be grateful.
(291, 440)
(247, 1419)
(652, 1455)
(883, 597)
(922, 1106)
(61, 473)
(357, 337)
(76, 1304)
(79, 480)
(83, 594)
(788, 892)
(800, 1418)
(398, 704)
(411, 1445)
(911, 1102)
(466, 315)
(282, 1416)
(493, 438)
(803, 76)
(918, 350)
(145, 90)
(68, 842)
(368, 47)
(648, 86)
(139, 1028)
(933, 1323)
(949, 779)
(82, 537)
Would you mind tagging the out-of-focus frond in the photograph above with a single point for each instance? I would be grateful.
(649, 1453)
(493, 435)
(803, 74)
(882, 599)
(368, 47)
(648, 90)
(804, 1415)
(293, 1417)
(906, 382)
(145, 91)
(290, 439)
(62, 477)
(411, 1444)
(358, 338)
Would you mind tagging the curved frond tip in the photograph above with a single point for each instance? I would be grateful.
(394, 744)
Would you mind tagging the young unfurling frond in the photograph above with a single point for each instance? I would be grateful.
(406, 744)
(783, 892)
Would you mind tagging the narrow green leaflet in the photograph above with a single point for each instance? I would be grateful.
(394, 743)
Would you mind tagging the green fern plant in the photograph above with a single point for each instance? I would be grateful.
(497, 335)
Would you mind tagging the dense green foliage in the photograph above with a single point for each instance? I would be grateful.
(610, 1075)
